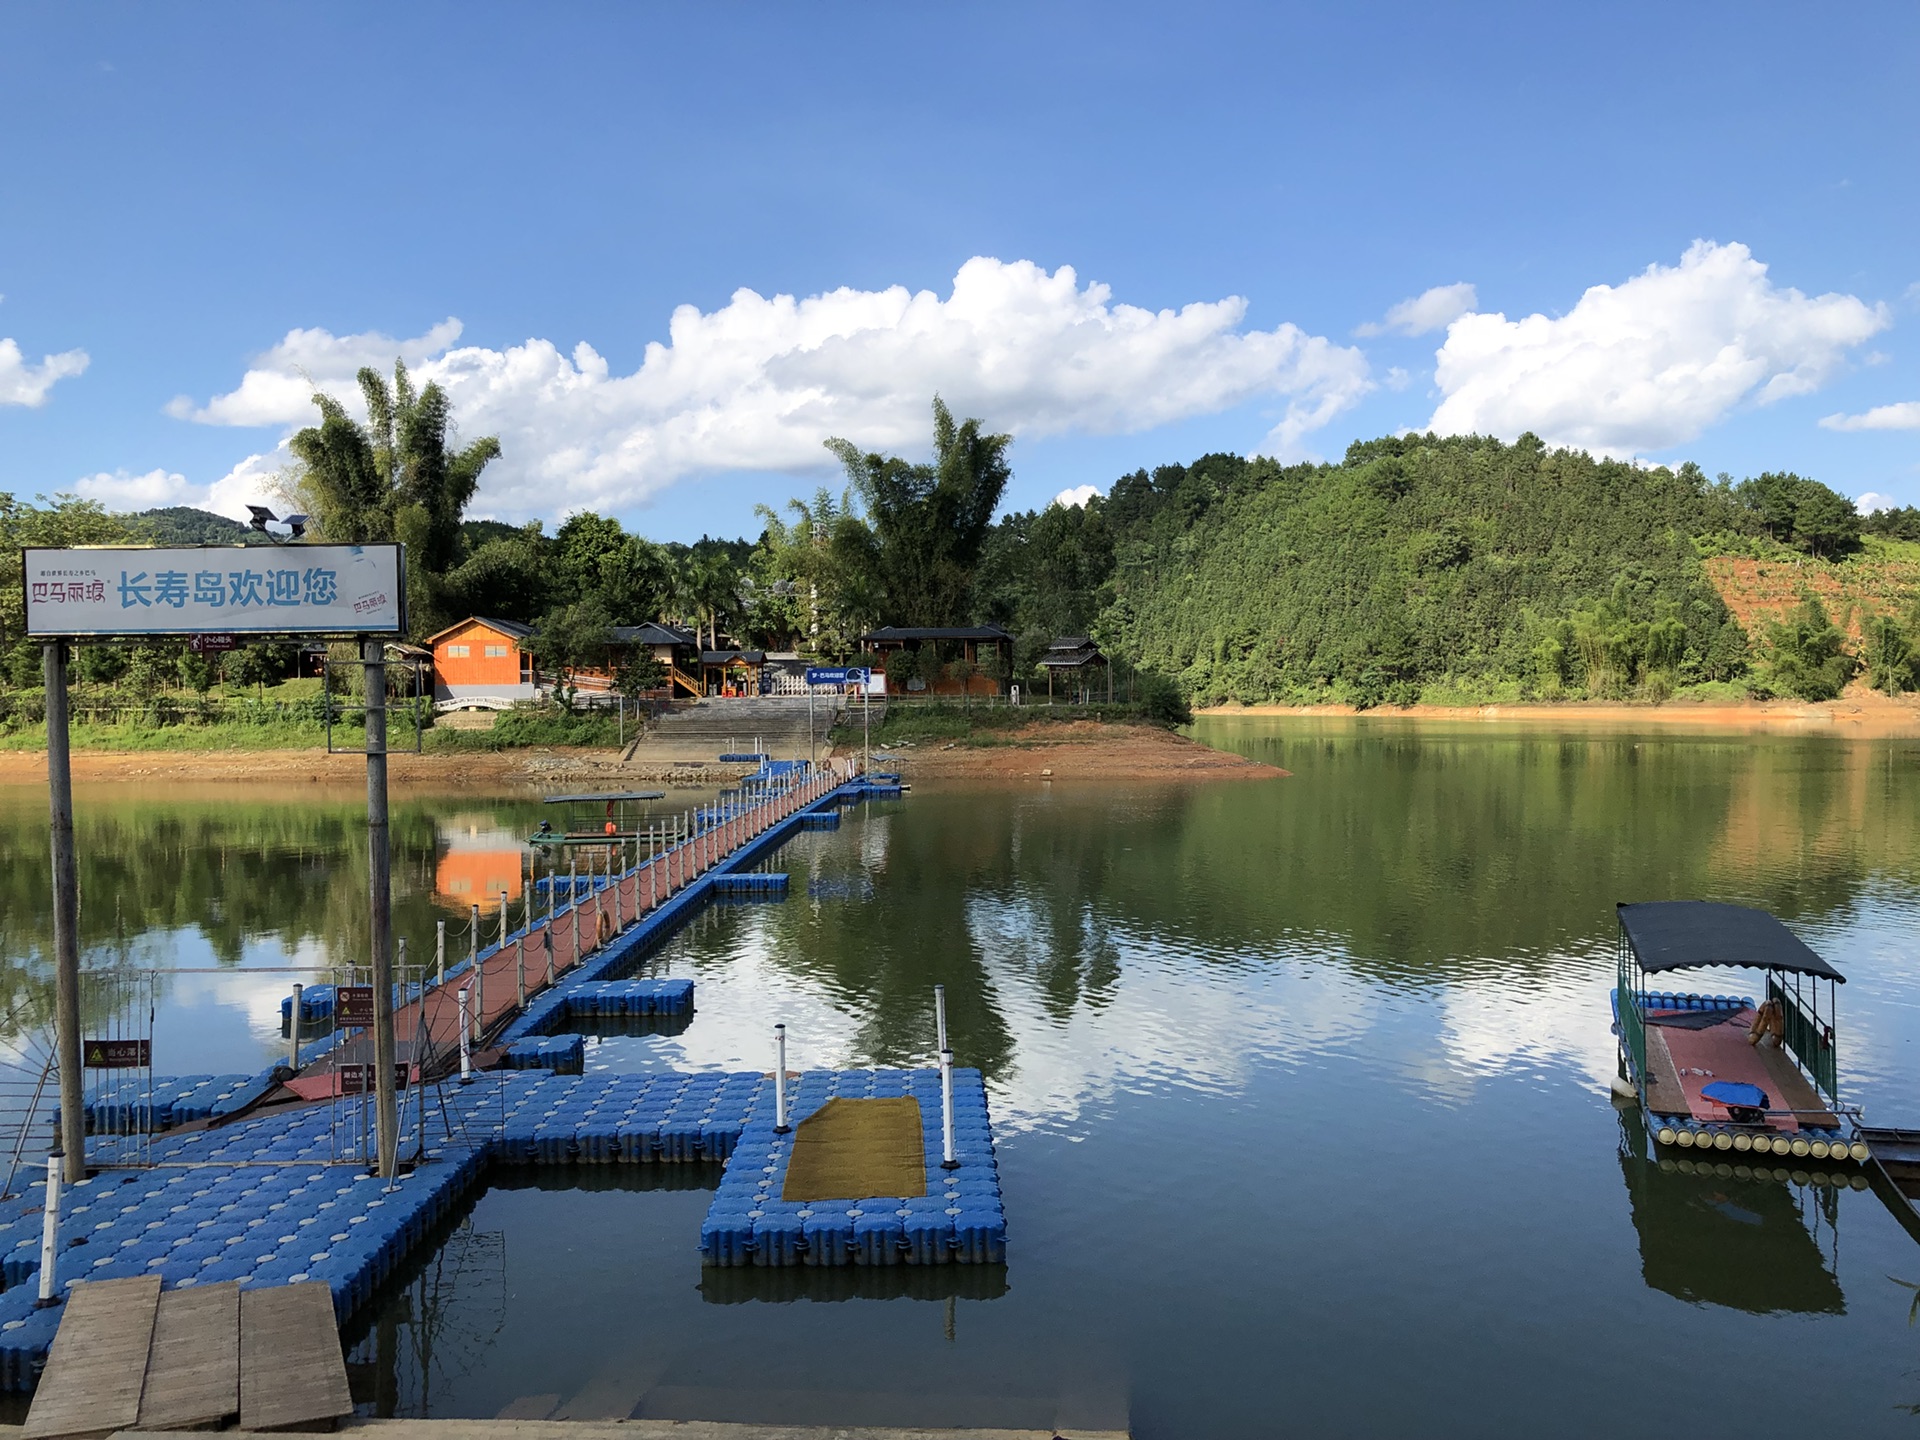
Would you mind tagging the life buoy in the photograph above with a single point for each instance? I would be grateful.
(606, 927)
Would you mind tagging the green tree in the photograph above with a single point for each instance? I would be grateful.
(571, 637)
(709, 588)
(394, 478)
(594, 556)
(928, 665)
(61, 521)
(814, 578)
(1802, 512)
(901, 666)
(931, 521)
(1887, 652)
(1806, 653)
(639, 672)
(962, 671)
(510, 577)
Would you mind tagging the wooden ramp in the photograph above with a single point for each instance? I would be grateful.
(128, 1356)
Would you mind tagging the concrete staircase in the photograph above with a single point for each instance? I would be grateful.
(699, 733)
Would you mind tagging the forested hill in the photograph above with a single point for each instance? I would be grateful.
(1423, 567)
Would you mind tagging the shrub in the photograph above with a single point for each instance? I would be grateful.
(1806, 653)
(1161, 701)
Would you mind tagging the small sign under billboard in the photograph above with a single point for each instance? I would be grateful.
(117, 1054)
(215, 590)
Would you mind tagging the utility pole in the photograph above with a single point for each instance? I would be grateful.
(380, 908)
(66, 915)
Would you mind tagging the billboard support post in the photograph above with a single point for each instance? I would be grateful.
(380, 909)
(66, 914)
(211, 595)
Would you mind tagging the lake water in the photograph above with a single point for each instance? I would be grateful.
(1299, 1087)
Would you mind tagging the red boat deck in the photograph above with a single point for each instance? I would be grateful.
(1680, 1062)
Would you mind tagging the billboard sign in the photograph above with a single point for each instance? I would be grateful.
(215, 590)
(836, 675)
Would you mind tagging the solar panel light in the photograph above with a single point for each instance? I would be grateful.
(263, 517)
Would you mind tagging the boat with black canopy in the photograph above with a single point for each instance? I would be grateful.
(1724, 1072)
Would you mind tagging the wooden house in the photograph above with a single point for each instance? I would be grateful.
(1077, 662)
(977, 644)
(482, 664)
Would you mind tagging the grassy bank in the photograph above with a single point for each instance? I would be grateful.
(512, 730)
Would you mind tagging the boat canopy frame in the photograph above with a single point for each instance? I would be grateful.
(1661, 936)
(619, 826)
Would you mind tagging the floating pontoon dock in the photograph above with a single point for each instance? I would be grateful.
(262, 1198)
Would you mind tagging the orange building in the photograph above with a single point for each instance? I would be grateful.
(483, 663)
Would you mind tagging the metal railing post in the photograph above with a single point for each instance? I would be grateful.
(947, 1161)
(293, 1031)
(50, 1233)
(780, 1126)
(466, 1050)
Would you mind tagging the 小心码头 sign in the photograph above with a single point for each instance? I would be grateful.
(215, 590)
(116, 1054)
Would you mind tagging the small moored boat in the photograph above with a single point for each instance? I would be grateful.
(1732, 1072)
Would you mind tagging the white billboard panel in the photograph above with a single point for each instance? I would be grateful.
(241, 590)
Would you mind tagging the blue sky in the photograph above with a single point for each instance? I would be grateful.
(182, 189)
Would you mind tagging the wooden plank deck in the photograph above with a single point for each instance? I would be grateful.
(292, 1373)
(98, 1363)
(193, 1367)
(1723, 1050)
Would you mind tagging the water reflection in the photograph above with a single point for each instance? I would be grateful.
(1297, 1084)
(1748, 1242)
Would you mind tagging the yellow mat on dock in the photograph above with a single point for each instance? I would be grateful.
(850, 1149)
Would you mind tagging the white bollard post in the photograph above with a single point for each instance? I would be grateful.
(947, 1162)
(473, 939)
(293, 1031)
(50, 1232)
(940, 1017)
(780, 1126)
(520, 975)
(439, 952)
(466, 1056)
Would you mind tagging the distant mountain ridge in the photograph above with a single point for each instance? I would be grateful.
(185, 525)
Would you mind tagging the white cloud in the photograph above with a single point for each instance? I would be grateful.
(759, 383)
(255, 479)
(1650, 363)
(278, 389)
(1903, 416)
(1077, 497)
(1426, 312)
(1871, 501)
(123, 490)
(25, 384)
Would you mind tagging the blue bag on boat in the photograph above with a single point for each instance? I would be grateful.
(1735, 1093)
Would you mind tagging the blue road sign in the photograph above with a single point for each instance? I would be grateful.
(837, 675)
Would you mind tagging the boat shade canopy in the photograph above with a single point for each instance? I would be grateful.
(1689, 934)
(599, 799)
